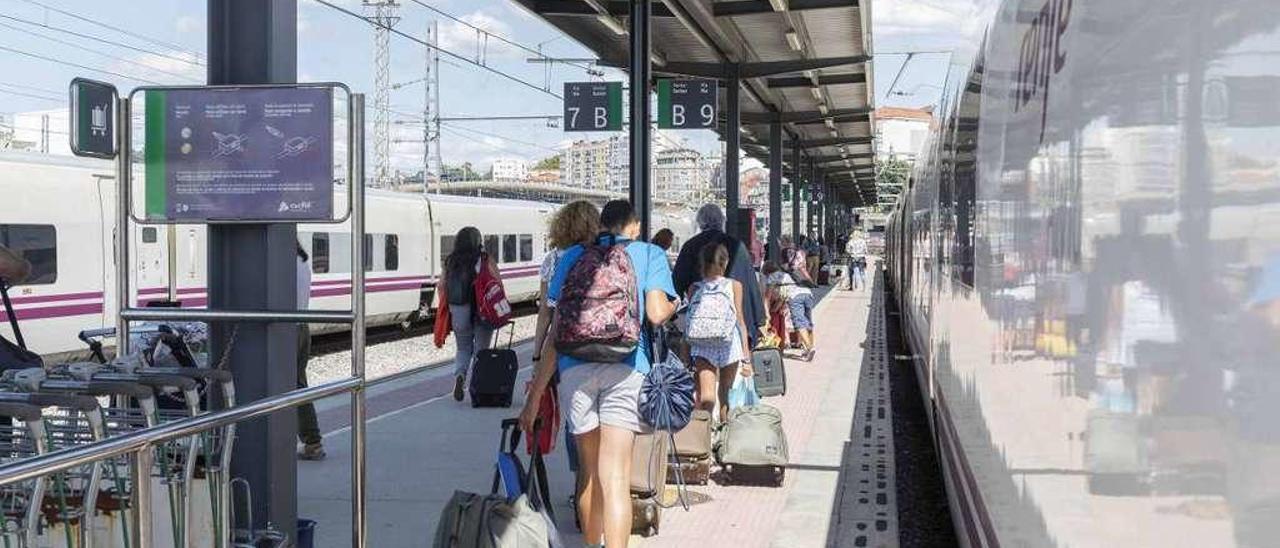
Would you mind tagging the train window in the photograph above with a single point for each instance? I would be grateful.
(526, 248)
(509, 248)
(320, 252)
(491, 246)
(391, 260)
(149, 235)
(339, 253)
(446, 247)
(38, 244)
(368, 253)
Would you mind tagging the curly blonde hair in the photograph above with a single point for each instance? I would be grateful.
(575, 223)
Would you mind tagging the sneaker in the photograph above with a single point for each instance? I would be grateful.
(808, 356)
(459, 385)
(311, 451)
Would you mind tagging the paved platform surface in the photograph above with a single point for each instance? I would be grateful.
(839, 488)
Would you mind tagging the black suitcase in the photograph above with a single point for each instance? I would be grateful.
(770, 372)
(493, 378)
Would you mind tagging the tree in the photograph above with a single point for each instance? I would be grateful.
(550, 162)
(892, 176)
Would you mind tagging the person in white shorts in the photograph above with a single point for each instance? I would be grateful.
(602, 400)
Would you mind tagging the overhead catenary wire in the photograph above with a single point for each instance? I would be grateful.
(104, 54)
(188, 60)
(126, 32)
(499, 37)
(456, 128)
(424, 43)
(31, 95)
(76, 65)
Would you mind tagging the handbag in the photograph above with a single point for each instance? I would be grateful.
(743, 393)
(666, 397)
(444, 319)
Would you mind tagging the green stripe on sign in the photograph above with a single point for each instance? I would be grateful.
(615, 106)
(153, 152)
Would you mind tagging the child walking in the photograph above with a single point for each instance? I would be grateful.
(717, 331)
(799, 303)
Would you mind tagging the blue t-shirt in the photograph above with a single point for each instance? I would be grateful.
(653, 272)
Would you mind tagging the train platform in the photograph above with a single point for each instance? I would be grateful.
(839, 490)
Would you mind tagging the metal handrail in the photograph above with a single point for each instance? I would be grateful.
(260, 316)
(143, 439)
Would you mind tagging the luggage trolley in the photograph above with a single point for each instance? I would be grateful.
(22, 435)
(72, 416)
(213, 460)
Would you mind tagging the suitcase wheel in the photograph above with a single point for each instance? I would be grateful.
(779, 474)
(650, 531)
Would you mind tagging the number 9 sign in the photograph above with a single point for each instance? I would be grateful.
(687, 104)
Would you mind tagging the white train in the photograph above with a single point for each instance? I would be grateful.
(59, 212)
(1088, 268)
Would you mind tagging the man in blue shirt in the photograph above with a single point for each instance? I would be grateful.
(602, 400)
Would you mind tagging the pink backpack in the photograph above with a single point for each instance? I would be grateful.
(598, 310)
(491, 297)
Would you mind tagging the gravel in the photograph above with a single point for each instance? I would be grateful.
(924, 519)
(389, 358)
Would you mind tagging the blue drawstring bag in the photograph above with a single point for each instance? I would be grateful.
(666, 399)
(742, 393)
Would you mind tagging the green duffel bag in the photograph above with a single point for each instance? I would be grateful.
(470, 520)
(753, 436)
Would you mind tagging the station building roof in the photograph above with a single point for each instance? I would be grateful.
(803, 62)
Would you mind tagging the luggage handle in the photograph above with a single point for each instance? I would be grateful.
(12, 314)
(537, 484)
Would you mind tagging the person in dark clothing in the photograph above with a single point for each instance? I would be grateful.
(308, 425)
(460, 269)
(711, 221)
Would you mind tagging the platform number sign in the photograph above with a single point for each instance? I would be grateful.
(687, 104)
(593, 106)
(93, 106)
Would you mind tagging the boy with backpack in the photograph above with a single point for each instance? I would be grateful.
(604, 292)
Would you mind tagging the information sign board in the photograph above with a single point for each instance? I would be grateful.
(93, 113)
(255, 153)
(687, 104)
(592, 106)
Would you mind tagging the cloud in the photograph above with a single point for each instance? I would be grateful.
(188, 24)
(464, 40)
(956, 21)
(176, 67)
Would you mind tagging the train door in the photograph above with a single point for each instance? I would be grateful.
(107, 235)
(150, 254)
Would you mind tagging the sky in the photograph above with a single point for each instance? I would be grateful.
(45, 43)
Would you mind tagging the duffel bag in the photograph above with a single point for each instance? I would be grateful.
(753, 436)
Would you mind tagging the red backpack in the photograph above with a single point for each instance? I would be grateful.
(492, 306)
(598, 311)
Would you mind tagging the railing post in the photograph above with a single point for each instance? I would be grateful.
(140, 464)
(359, 524)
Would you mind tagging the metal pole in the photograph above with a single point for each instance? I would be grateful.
(140, 466)
(426, 115)
(775, 190)
(359, 525)
(640, 112)
(732, 146)
(797, 176)
(123, 127)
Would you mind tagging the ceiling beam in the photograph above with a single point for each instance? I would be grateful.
(737, 8)
(823, 80)
(617, 8)
(777, 68)
(837, 119)
(799, 117)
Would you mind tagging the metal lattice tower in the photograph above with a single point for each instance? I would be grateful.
(384, 17)
(431, 163)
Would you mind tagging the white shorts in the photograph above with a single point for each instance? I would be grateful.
(592, 394)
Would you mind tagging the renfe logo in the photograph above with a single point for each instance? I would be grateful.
(1041, 57)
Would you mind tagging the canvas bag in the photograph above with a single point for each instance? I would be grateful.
(712, 315)
(753, 436)
(492, 306)
(598, 316)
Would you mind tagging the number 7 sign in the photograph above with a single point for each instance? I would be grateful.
(593, 106)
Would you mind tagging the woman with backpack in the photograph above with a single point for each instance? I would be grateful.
(458, 286)
(799, 300)
(717, 331)
(604, 292)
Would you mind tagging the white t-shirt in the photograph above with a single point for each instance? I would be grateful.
(857, 247)
(548, 268)
(787, 286)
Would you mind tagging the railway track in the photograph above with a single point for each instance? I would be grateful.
(330, 343)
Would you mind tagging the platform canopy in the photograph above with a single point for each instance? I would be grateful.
(805, 63)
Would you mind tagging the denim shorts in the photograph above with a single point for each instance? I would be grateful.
(592, 394)
(801, 311)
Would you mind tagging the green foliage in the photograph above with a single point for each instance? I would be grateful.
(550, 162)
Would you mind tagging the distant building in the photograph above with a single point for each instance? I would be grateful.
(544, 176)
(510, 170)
(597, 165)
(40, 131)
(901, 132)
(683, 175)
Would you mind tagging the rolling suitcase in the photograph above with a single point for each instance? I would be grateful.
(693, 450)
(753, 447)
(649, 459)
(770, 372)
(493, 378)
